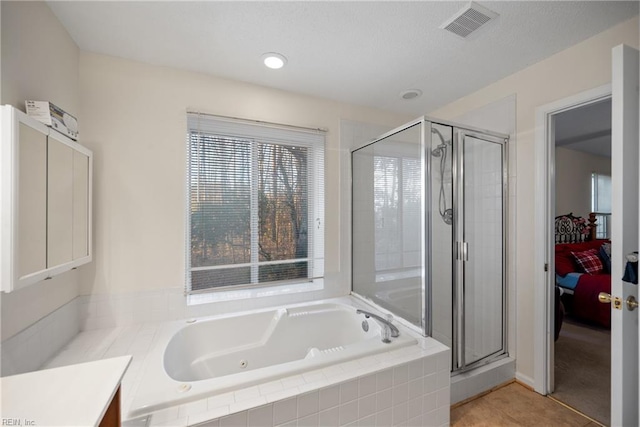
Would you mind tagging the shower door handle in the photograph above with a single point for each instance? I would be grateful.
(462, 251)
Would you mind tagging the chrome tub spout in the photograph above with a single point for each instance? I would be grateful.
(388, 329)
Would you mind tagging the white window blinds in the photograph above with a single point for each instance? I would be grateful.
(601, 204)
(600, 193)
(255, 203)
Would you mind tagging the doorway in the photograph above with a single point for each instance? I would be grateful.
(623, 92)
(544, 245)
(582, 183)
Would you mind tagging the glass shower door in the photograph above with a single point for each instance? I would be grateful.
(483, 199)
(387, 221)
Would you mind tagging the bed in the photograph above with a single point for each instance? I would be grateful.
(583, 269)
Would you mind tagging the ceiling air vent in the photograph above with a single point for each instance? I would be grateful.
(469, 19)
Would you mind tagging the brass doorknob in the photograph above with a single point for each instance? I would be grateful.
(632, 303)
(604, 298)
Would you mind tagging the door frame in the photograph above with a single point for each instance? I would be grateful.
(544, 213)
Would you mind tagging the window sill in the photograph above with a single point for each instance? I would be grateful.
(267, 291)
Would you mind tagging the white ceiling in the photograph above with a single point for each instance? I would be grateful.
(363, 53)
(586, 129)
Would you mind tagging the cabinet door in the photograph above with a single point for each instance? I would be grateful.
(32, 201)
(60, 203)
(80, 205)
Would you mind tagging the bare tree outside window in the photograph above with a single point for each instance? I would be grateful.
(249, 211)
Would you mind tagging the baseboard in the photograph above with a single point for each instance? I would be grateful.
(525, 380)
(527, 386)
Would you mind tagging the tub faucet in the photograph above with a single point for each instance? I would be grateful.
(388, 329)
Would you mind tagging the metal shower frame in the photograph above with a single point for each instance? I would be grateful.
(459, 132)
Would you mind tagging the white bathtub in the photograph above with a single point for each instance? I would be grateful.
(192, 360)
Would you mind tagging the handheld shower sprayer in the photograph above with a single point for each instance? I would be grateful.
(442, 147)
(441, 151)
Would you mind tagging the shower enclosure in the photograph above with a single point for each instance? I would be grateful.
(429, 231)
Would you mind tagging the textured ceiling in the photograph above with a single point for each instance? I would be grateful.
(363, 53)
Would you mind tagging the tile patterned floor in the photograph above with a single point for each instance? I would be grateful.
(515, 405)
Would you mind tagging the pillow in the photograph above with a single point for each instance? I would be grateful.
(589, 261)
(566, 262)
(605, 256)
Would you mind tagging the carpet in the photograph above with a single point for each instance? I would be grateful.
(583, 369)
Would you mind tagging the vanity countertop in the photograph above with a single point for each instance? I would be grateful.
(74, 395)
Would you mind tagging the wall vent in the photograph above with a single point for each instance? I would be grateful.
(469, 19)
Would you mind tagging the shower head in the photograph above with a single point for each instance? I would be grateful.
(442, 147)
(437, 152)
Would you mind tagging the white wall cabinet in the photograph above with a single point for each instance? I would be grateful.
(45, 201)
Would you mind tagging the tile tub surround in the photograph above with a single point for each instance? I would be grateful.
(111, 310)
(29, 349)
(413, 383)
(101, 311)
(413, 393)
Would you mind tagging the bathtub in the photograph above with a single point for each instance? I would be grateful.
(196, 359)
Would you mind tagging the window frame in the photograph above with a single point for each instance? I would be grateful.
(594, 192)
(603, 226)
(315, 197)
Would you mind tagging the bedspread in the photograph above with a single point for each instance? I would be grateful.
(585, 299)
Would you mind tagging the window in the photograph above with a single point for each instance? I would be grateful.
(601, 203)
(256, 203)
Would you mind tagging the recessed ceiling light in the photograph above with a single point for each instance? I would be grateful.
(274, 60)
(410, 94)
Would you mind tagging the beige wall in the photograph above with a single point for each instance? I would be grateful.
(39, 58)
(135, 122)
(573, 180)
(584, 66)
(39, 61)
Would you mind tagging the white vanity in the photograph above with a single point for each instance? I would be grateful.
(87, 394)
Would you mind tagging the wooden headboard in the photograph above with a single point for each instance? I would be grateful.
(575, 229)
